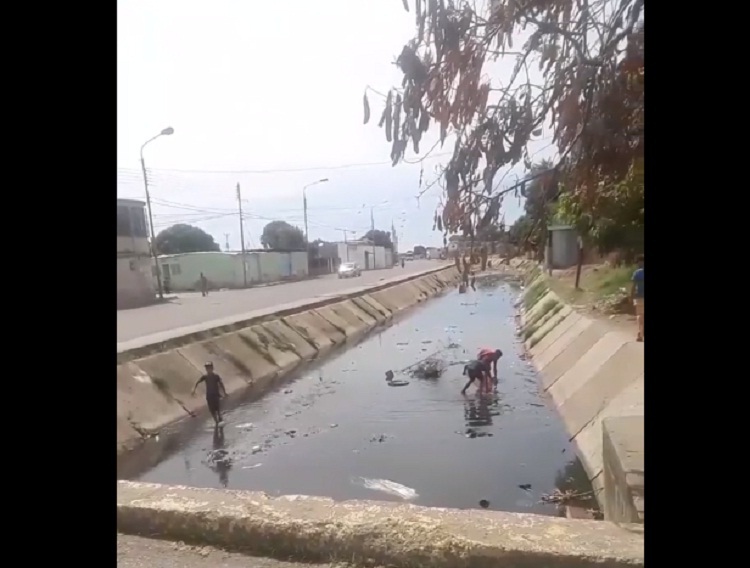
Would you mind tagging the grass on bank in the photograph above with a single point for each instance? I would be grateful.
(600, 284)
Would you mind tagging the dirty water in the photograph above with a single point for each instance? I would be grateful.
(338, 429)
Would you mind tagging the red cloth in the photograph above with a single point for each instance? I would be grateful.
(486, 352)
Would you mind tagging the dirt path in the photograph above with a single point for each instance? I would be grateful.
(137, 552)
(597, 282)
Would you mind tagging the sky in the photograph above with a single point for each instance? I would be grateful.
(268, 95)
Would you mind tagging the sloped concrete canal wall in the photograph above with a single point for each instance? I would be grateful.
(594, 375)
(154, 382)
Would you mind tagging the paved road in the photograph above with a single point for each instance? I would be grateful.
(136, 552)
(193, 309)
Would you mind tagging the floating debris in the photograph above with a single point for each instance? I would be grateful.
(430, 368)
(525, 486)
(252, 466)
(387, 486)
(564, 497)
(484, 503)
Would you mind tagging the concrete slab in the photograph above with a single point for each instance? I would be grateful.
(273, 348)
(546, 324)
(355, 314)
(141, 403)
(561, 329)
(570, 354)
(176, 376)
(138, 552)
(234, 374)
(533, 313)
(242, 349)
(589, 440)
(585, 403)
(379, 310)
(350, 326)
(623, 456)
(373, 532)
(282, 332)
(307, 325)
(127, 436)
(585, 368)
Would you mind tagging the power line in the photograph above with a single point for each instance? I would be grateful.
(125, 170)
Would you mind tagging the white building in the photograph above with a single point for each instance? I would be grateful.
(364, 254)
(135, 282)
(224, 269)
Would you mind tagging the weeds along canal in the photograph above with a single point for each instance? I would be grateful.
(337, 429)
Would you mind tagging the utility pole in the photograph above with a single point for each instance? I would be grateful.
(242, 238)
(372, 228)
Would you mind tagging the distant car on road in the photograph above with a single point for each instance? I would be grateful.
(349, 270)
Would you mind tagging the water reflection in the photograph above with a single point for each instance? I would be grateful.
(479, 410)
(219, 460)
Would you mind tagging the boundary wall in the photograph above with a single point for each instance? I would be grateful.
(372, 532)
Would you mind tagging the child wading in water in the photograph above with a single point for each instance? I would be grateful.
(478, 370)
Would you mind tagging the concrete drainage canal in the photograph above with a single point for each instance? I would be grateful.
(337, 429)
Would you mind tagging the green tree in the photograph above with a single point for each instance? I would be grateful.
(612, 217)
(520, 232)
(282, 236)
(183, 238)
(379, 238)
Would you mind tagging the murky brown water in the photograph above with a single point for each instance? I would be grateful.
(337, 425)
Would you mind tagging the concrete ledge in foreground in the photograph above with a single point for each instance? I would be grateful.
(393, 534)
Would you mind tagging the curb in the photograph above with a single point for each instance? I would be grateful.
(393, 534)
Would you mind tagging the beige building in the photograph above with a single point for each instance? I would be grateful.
(135, 282)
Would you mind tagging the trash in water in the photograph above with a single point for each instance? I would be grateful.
(288, 391)
(525, 486)
(387, 486)
(245, 425)
(252, 466)
(430, 368)
(256, 449)
(334, 425)
(484, 503)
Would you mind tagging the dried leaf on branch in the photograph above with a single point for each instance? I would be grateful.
(589, 65)
(366, 104)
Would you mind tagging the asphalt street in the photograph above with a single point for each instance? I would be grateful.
(189, 309)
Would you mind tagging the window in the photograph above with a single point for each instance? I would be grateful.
(138, 220)
(176, 269)
(131, 222)
(123, 221)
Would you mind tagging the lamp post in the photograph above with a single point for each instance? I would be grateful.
(166, 132)
(304, 200)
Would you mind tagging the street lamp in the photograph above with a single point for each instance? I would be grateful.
(166, 132)
(304, 200)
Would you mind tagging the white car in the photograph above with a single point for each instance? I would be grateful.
(349, 270)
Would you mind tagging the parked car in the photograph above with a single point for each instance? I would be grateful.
(349, 270)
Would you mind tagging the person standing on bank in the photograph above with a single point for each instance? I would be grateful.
(214, 391)
(204, 285)
(636, 295)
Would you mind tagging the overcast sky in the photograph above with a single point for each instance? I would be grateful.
(269, 95)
